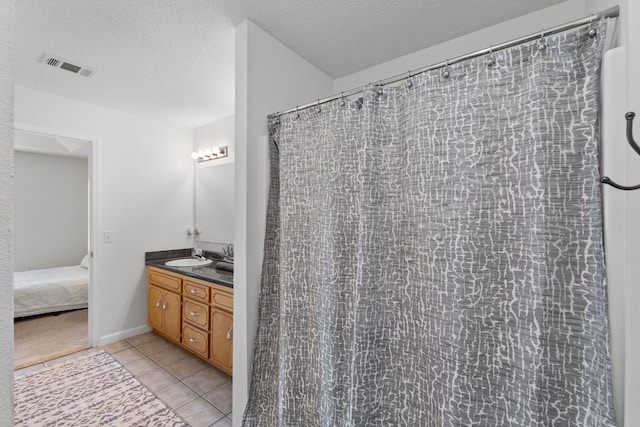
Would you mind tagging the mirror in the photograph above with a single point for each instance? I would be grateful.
(214, 203)
(214, 185)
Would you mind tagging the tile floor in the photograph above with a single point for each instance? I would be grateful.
(194, 389)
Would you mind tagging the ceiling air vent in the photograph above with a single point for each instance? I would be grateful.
(56, 62)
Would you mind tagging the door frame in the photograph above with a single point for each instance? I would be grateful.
(92, 162)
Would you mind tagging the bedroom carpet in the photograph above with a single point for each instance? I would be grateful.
(43, 338)
(94, 390)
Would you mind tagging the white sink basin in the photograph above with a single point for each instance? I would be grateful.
(188, 262)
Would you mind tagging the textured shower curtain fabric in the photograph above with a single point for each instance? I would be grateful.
(434, 255)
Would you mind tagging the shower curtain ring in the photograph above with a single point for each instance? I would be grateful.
(542, 45)
(446, 73)
(342, 100)
(408, 81)
(379, 90)
(490, 59)
(592, 31)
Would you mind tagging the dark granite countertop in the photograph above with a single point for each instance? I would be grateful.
(209, 272)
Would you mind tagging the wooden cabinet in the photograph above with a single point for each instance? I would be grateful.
(196, 340)
(208, 310)
(164, 311)
(195, 313)
(222, 339)
(197, 291)
(165, 279)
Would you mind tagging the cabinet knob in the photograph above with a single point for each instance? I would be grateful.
(193, 340)
(229, 333)
(164, 306)
(158, 304)
(194, 291)
(193, 313)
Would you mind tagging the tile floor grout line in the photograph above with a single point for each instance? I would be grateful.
(199, 395)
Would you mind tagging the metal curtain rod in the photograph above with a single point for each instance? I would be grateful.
(612, 12)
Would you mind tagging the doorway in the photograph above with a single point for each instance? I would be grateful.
(59, 156)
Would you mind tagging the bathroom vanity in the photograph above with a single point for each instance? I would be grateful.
(193, 307)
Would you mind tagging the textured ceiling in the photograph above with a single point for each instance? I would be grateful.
(174, 59)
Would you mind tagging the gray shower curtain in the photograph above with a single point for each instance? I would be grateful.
(434, 253)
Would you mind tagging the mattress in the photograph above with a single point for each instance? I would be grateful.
(50, 290)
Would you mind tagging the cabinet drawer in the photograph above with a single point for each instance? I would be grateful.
(196, 340)
(196, 313)
(196, 291)
(222, 299)
(164, 280)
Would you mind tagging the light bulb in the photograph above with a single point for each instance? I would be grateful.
(194, 155)
(201, 154)
(207, 152)
(216, 150)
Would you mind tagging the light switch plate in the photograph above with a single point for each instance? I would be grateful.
(108, 236)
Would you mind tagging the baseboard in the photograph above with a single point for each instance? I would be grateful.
(108, 339)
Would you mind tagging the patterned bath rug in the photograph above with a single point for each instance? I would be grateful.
(93, 390)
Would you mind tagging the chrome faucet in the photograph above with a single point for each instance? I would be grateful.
(196, 252)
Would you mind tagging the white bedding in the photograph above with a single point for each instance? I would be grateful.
(49, 290)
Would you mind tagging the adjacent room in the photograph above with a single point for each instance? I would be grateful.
(51, 241)
(246, 213)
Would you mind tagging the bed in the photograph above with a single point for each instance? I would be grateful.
(50, 290)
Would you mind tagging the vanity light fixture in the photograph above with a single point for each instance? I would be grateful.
(210, 154)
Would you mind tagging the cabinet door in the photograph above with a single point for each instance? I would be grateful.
(172, 315)
(155, 312)
(222, 339)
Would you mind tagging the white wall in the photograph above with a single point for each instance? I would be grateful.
(6, 209)
(219, 133)
(631, 14)
(50, 211)
(215, 185)
(144, 176)
(269, 77)
(496, 34)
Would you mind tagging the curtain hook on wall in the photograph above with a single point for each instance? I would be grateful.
(605, 179)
